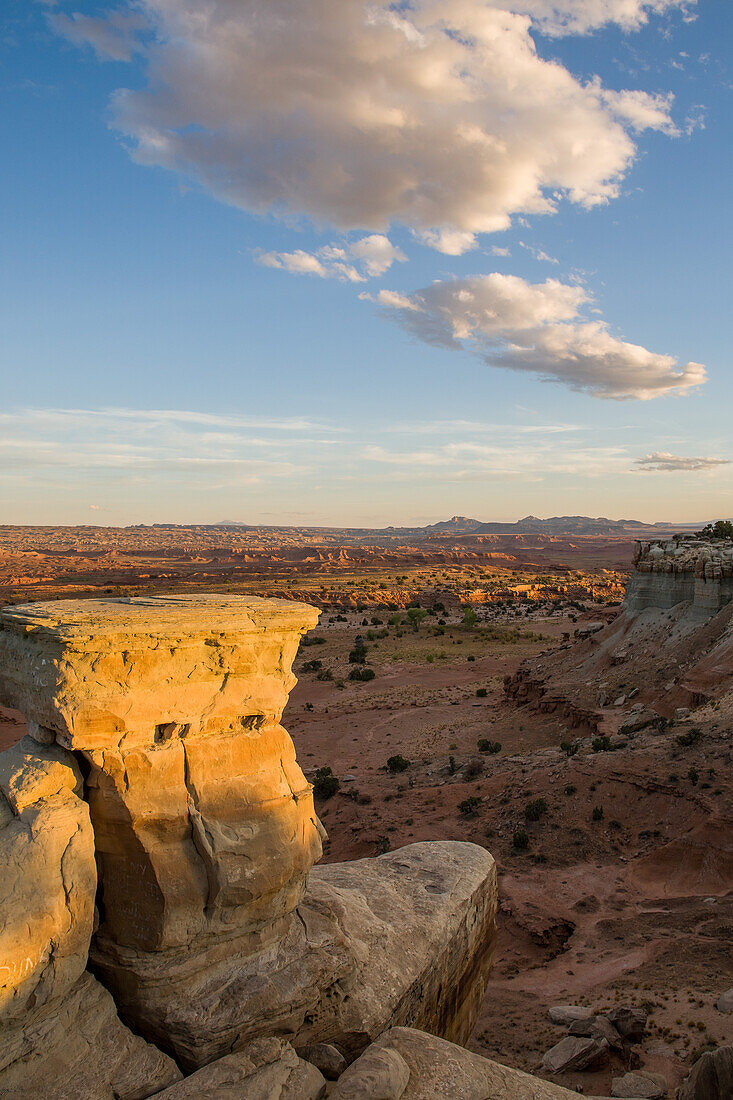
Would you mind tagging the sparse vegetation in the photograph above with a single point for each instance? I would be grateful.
(325, 783)
(397, 764)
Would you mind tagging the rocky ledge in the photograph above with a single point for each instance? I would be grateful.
(159, 837)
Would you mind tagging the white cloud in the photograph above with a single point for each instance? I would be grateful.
(538, 327)
(669, 463)
(580, 16)
(374, 255)
(438, 115)
(497, 251)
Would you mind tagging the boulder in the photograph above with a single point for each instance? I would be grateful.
(568, 1014)
(76, 1048)
(574, 1053)
(405, 1064)
(597, 1027)
(725, 1001)
(629, 1021)
(264, 1070)
(639, 1085)
(711, 1077)
(325, 1057)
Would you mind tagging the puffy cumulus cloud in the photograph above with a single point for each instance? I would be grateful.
(538, 327)
(435, 114)
(669, 463)
(373, 256)
(558, 17)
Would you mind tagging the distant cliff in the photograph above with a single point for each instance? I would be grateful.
(686, 568)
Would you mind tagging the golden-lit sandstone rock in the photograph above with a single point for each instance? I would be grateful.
(206, 832)
(59, 1031)
(202, 818)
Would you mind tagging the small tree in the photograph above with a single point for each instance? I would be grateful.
(469, 617)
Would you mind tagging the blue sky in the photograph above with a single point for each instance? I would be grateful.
(222, 299)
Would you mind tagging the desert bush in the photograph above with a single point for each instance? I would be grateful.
(382, 845)
(325, 783)
(469, 806)
(570, 789)
(685, 740)
(534, 810)
(601, 744)
(324, 674)
(569, 747)
(485, 745)
(597, 814)
(520, 840)
(315, 639)
(362, 674)
(452, 765)
(693, 775)
(397, 764)
(312, 666)
(481, 693)
(474, 769)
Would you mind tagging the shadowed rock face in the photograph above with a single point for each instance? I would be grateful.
(205, 834)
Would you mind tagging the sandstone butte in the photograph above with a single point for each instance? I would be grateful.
(163, 928)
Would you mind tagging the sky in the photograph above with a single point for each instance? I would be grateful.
(357, 262)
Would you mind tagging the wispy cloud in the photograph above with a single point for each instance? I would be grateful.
(668, 463)
(351, 263)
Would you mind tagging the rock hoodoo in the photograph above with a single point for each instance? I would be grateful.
(158, 764)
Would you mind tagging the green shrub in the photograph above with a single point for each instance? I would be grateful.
(520, 840)
(685, 740)
(397, 764)
(534, 810)
(363, 674)
(481, 693)
(601, 744)
(597, 814)
(469, 806)
(485, 745)
(325, 783)
(569, 747)
(570, 789)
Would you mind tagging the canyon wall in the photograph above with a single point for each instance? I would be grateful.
(687, 569)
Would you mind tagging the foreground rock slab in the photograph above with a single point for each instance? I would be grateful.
(405, 1064)
(267, 1069)
(405, 938)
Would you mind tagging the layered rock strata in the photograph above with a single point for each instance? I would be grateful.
(686, 568)
(205, 833)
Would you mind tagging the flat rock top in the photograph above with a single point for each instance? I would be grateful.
(167, 616)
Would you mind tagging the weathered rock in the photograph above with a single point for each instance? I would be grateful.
(568, 1014)
(267, 1069)
(574, 1053)
(629, 1021)
(203, 820)
(48, 878)
(325, 1057)
(597, 1027)
(405, 938)
(639, 1086)
(405, 1064)
(205, 833)
(76, 1048)
(711, 1077)
(725, 1001)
